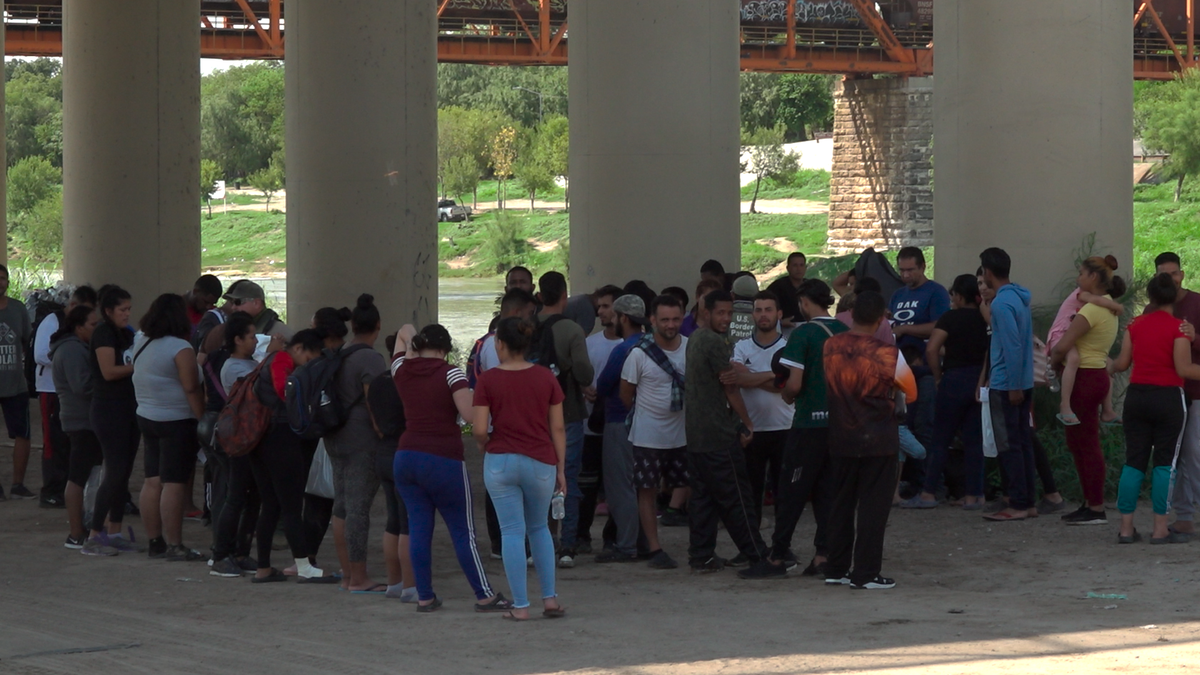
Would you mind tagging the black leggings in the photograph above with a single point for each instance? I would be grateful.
(235, 507)
(397, 514)
(278, 467)
(115, 424)
(85, 456)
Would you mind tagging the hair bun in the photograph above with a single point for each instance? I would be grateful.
(1111, 262)
(344, 314)
(526, 328)
(365, 301)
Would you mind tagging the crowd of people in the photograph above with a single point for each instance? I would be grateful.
(659, 409)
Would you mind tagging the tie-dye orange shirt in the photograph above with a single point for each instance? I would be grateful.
(861, 376)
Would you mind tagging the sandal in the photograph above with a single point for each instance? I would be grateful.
(497, 604)
(1131, 539)
(431, 607)
(377, 589)
(1004, 516)
(1068, 420)
(327, 579)
(555, 613)
(275, 575)
(1178, 537)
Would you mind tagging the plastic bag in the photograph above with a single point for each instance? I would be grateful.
(320, 476)
(89, 492)
(989, 435)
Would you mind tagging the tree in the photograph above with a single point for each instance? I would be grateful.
(535, 177)
(554, 147)
(798, 101)
(267, 181)
(460, 176)
(33, 103)
(241, 117)
(210, 173)
(503, 154)
(510, 92)
(765, 156)
(1169, 119)
(30, 181)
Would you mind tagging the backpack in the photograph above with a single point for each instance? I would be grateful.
(541, 347)
(314, 408)
(245, 418)
(386, 405)
(41, 310)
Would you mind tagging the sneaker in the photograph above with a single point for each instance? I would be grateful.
(875, 584)
(94, 546)
(496, 555)
(915, 502)
(674, 518)
(158, 547)
(529, 562)
(661, 561)
(764, 569)
(1046, 507)
(52, 502)
(1088, 517)
(19, 491)
(566, 561)
(226, 567)
(121, 543)
(841, 580)
(246, 563)
(132, 509)
(181, 553)
(739, 560)
(814, 569)
(713, 564)
(615, 557)
(75, 542)
(789, 561)
(1076, 513)
(195, 515)
(583, 546)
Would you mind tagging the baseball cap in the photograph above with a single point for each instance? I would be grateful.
(745, 287)
(245, 290)
(633, 307)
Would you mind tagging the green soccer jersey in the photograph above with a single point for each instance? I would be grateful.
(804, 350)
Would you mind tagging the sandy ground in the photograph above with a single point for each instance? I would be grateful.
(972, 598)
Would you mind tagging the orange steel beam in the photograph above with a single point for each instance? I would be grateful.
(887, 39)
(1137, 15)
(790, 48)
(1191, 31)
(1164, 32)
(442, 8)
(206, 23)
(524, 26)
(554, 43)
(254, 22)
(275, 10)
(544, 25)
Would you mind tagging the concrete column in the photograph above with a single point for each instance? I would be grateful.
(654, 140)
(880, 194)
(361, 107)
(131, 145)
(1032, 125)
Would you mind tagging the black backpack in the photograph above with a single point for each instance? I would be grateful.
(386, 406)
(41, 310)
(541, 348)
(313, 406)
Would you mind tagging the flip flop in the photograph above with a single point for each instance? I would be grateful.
(377, 589)
(431, 607)
(1178, 537)
(275, 575)
(1113, 422)
(1002, 516)
(497, 604)
(509, 616)
(1064, 421)
(556, 613)
(327, 579)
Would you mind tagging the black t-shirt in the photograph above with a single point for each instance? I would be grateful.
(120, 340)
(786, 292)
(966, 339)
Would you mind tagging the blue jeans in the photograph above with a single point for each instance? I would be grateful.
(573, 465)
(1014, 447)
(430, 484)
(957, 411)
(521, 488)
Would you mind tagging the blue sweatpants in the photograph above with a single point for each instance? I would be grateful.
(428, 484)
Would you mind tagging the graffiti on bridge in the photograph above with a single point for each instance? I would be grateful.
(522, 6)
(807, 11)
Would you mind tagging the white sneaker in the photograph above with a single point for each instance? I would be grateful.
(566, 562)
(877, 583)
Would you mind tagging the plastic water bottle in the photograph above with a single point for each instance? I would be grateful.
(558, 509)
(1052, 381)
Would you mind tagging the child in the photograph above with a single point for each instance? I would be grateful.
(910, 446)
(1066, 313)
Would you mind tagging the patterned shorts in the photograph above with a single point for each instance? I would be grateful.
(653, 466)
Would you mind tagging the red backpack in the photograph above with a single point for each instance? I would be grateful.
(245, 419)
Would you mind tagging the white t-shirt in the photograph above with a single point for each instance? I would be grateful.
(41, 353)
(654, 424)
(488, 358)
(767, 411)
(599, 348)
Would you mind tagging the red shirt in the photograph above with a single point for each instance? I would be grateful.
(427, 389)
(519, 401)
(1153, 336)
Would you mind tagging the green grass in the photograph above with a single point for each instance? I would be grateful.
(1161, 224)
(810, 184)
(806, 232)
(251, 241)
(517, 197)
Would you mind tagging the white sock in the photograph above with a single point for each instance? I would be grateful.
(395, 590)
(306, 570)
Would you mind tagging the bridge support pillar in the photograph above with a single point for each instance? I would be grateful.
(1033, 120)
(131, 145)
(654, 140)
(361, 133)
(880, 192)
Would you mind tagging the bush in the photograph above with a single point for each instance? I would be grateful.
(503, 246)
(30, 181)
(41, 228)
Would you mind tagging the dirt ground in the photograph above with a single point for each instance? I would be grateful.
(972, 597)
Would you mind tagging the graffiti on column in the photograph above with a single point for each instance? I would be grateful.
(807, 11)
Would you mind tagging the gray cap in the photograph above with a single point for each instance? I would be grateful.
(245, 290)
(745, 287)
(633, 307)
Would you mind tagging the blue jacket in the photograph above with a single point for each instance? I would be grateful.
(1012, 339)
(608, 385)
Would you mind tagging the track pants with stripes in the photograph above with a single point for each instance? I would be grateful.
(721, 493)
(1154, 419)
(430, 484)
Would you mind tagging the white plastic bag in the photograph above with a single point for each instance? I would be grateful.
(989, 435)
(89, 492)
(320, 476)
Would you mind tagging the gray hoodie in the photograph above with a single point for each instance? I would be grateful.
(72, 372)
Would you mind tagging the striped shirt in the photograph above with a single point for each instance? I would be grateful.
(427, 387)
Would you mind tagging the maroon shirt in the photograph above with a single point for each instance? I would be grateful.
(427, 389)
(519, 402)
